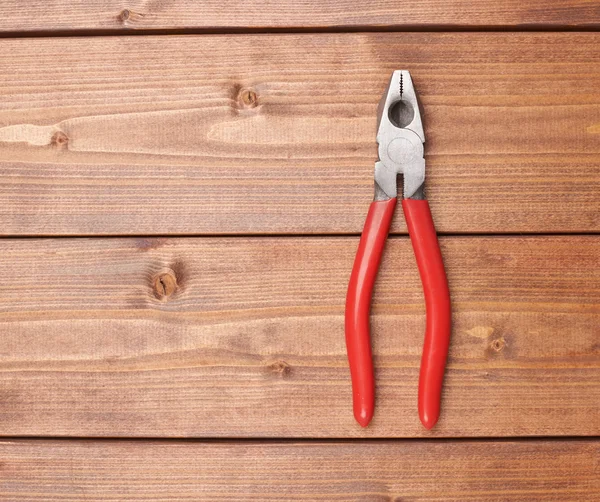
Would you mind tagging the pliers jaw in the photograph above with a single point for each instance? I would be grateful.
(401, 139)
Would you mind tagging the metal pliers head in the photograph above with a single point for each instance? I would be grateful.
(401, 139)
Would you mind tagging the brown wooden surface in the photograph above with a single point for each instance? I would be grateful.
(206, 337)
(63, 16)
(393, 471)
(259, 134)
(256, 134)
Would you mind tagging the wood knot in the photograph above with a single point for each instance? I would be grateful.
(498, 344)
(124, 15)
(59, 139)
(248, 98)
(280, 368)
(165, 285)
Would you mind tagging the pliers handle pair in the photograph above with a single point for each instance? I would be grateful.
(401, 138)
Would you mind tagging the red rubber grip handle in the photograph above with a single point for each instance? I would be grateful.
(437, 305)
(358, 307)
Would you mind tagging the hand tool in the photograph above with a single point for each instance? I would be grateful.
(400, 137)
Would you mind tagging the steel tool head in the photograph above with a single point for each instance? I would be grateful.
(400, 137)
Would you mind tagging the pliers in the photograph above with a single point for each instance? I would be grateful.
(400, 137)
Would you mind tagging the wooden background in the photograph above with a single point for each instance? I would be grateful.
(182, 189)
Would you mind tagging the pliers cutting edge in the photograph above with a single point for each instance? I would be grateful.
(400, 137)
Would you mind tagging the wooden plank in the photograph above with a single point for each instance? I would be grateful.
(391, 471)
(244, 337)
(276, 133)
(60, 15)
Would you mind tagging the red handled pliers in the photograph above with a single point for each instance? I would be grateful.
(400, 137)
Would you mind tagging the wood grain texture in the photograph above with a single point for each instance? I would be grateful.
(276, 133)
(244, 337)
(60, 15)
(391, 471)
